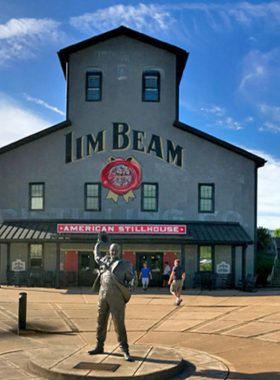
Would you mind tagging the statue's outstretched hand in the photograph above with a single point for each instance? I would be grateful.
(133, 283)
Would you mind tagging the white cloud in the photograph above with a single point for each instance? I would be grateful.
(248, 119)
(17, 122)
(148, 18)
(222, 17)
(20, 38)
(230, 123)
(270, 127)
(245, 13)
(43, 103)
(268, 192)
(260, 70)
(260, 84)
(161, 17)
(224, 121)
(219, 111)
(272, 111)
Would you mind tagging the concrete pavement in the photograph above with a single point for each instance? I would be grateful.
(214, 331)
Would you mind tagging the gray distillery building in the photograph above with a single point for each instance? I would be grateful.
(123, 163)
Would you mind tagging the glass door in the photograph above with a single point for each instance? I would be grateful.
(154, 261)
(85, 271)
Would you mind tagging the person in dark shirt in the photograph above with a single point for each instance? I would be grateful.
(176, 281)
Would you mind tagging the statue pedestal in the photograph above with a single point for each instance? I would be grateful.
(149, 363)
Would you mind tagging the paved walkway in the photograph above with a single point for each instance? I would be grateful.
(236, 330)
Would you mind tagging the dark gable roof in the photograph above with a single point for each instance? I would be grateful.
(181, 54)
(35, 136)
(259, 161)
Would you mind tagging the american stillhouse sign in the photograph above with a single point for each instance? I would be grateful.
(122, 228)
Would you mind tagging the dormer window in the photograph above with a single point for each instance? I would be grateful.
(151, 86)
(93, 86)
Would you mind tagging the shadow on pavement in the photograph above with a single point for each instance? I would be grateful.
(208, 374)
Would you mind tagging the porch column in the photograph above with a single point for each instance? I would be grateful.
(183, 261)
(244, 248)
(8, 257)
(233, 265)
(57, 271)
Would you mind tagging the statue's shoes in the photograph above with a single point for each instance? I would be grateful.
(127, 357)
(96, 351)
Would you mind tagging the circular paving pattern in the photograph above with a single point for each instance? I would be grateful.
(149, 363)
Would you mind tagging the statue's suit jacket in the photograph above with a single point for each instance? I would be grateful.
(121, 271)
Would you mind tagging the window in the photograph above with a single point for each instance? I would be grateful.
(36, 256)
(151, 86)
(206, 198)
(36, 196)
(93, 86)
(149, 197)
(205, 258)
(93, 197)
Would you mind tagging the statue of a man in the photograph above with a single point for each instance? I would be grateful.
(112, 282)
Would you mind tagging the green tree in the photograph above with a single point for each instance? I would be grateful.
(276, 232)
(264, 260)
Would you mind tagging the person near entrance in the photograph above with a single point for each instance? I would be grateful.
(113, 281)
(166, 274)
(176, 281)
(146, 276)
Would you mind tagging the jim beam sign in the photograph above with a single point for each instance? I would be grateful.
(121, 176)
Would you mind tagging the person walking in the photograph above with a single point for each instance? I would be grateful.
(146, 276)
(176, 281)
(166, 274)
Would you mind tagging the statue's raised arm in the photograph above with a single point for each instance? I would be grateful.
(96, 252)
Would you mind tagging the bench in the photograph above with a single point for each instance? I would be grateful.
(206, 280)
(247, 285)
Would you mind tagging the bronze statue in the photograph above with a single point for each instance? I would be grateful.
(113, 281)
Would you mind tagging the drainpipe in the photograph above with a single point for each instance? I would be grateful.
(183, 261)
(57, 271)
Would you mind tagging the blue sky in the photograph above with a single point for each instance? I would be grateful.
(230, 87)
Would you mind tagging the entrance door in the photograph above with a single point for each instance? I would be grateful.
(154, 262)
(85, 269)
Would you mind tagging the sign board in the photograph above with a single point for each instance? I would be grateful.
(18, 266)
(97, 366)
(223, 268)
(168, 229)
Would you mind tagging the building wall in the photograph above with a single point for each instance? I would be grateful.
(50, 256)
(222, 253)
(19, 251)
(233, 176)
(122, 61)
(3, 263)
(191, 264)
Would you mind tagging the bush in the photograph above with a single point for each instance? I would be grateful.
(276, 232)
(265, 261)
(263, 267)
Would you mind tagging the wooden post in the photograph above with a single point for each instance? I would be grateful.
(22, 308)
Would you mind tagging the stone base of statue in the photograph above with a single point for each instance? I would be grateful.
(149, 363)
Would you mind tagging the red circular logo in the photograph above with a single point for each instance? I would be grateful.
(121, 176)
